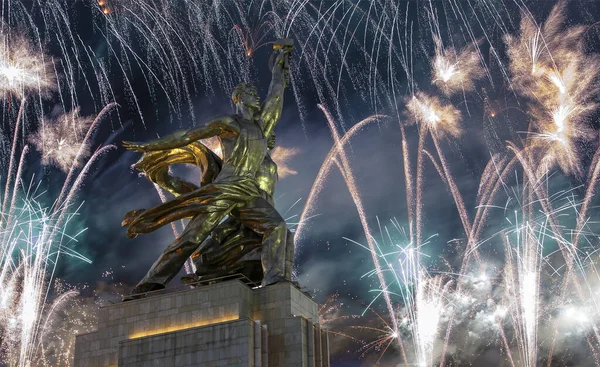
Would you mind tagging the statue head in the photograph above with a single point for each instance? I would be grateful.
(245, 96)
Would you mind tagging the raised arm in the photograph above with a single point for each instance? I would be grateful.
(271, 109)
(223, 126)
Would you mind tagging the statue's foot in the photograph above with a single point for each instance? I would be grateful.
(189, 279)
(196, 280)
(131, 235)
(130, 217)
(142, 290)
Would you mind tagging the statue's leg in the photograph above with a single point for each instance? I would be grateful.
(217, 237)
(200, 264)
(212, 243)
(174, 256)
(261, 217)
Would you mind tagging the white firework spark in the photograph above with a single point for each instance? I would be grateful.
(28, 256)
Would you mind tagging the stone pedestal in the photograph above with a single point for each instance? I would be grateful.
(225, 324)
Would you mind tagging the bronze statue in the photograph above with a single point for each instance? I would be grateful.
(229, 186)
(234, 248)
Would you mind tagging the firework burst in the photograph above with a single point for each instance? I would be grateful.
(522, 279)
(282, 157)
(433, 115)
(22, 69)
(27, 261)
(547, 66)
(550, 68)
(33, 237)
(456, 71)
(61, 141)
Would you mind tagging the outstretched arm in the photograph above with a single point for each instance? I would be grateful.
(271, 109)
(223, 126)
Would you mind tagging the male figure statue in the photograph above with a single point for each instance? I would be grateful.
(234, 191)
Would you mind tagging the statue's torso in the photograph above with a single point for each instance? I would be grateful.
(244, 153)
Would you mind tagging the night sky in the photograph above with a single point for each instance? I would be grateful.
(327, 260)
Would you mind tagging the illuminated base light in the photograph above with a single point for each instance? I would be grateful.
(169, 329)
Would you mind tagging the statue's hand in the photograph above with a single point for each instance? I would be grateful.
(283, 44)
(131, 216)
(136, 147)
